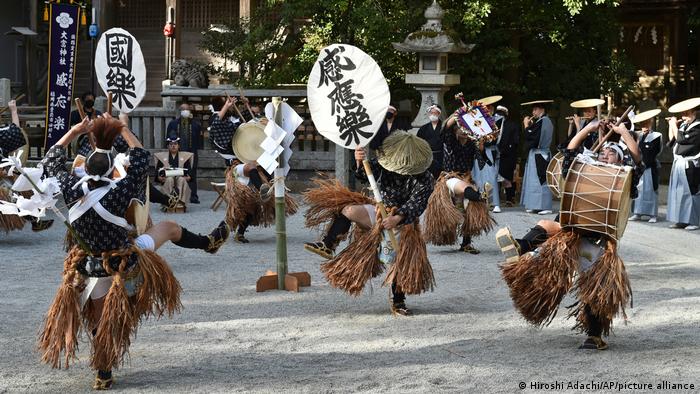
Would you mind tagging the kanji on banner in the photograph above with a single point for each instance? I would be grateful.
(64, 22)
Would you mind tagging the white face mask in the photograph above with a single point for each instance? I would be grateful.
(185, 113)
(433, 118)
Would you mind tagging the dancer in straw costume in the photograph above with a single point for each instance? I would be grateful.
(647, 203)
(401, 170)
(11, 139)
(540, 268)
(684, 184)
(248, 192)
(456, 206)
(112, 280)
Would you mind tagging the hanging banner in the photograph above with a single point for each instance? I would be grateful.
(348, 95)
(64, 21)
(120, 69)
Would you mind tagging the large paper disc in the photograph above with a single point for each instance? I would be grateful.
(120, 68)
(348, 95)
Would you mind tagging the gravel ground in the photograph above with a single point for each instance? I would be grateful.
(464, 337)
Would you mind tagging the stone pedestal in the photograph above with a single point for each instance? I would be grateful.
(342, 165)
(5, 92)
(432, 88)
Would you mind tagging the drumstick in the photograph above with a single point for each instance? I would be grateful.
(235, 106)
(597, 147)
(245, 101)
(20, 97)
(91, 136)
(109, 103)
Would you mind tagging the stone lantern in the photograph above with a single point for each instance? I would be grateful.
(432, 45)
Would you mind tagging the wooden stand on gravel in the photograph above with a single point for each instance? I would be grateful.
(281, 280)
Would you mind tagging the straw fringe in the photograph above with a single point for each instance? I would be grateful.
(117, 323)
(352, 268)
(477, 219)
(605, 288)
(411, 269)
(539, 282)
(62, 323)
(157, 294)
(9, 222)
(242, 201)
(441, 216)
(327, 199)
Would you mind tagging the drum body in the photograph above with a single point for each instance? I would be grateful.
(596, 198)
(554, 174)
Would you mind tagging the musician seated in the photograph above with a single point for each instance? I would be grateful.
(173, 169)
(613, 153)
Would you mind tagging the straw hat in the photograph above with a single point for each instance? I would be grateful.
(646, 115)
(537, 102)
(246, 141)
(490, 100)
(684, 105)
(588, 103)
(405, 153)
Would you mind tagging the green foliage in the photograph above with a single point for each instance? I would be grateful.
(524, 48)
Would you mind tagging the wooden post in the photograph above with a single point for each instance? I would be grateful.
(380, 204)
(281, 280)
(280, 222)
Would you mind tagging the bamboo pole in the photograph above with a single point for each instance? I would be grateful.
(378, 200)
(280, 220)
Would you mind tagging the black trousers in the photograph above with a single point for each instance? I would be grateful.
(397, 296)
(193, 177)
(595, 328)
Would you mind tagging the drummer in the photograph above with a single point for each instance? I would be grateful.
(539, 130)
(612, 153)
(589, 110)
(650, 145)
(223, 126)
(684, 185)
(489, 172)
(592, 323)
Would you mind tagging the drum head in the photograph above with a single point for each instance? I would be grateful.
(246, 142)
(554, 174)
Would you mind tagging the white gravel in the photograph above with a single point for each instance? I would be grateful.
(464, 337)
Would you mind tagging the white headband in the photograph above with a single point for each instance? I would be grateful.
(434, 107)
(616, 147)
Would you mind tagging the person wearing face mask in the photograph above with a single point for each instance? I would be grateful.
(388, 126)
(684, 184)
(430, 132)
(189, 131)
(88, 100)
